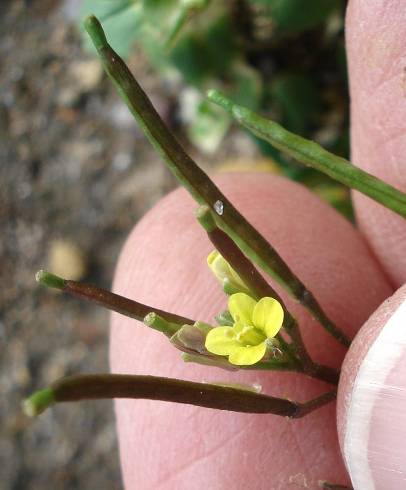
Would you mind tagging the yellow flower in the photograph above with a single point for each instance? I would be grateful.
(255, 325)
(224, 272)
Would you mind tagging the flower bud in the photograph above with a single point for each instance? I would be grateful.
(227, 276)
(225, 319)
(192, 337)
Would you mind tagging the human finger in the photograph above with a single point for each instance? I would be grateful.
(376, 51)
(372, 400)
(163, 264)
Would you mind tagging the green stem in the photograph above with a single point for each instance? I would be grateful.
(313, 155)
(198, 183)
(158, 323)
(108, 300)
(38, 402)
(107, 386)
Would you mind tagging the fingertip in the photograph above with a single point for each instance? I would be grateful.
(372, 400)
(375, 42)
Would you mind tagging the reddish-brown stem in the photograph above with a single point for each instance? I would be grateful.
(103, 386)
(107, 299)
(307, 407)
(333, 486)
(119, 303)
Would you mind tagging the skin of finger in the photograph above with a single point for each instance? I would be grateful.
(169, 446)
(376, 51)
(386, 404)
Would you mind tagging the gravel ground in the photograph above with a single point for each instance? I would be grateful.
(74, 173)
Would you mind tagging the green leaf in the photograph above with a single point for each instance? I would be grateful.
(208, 127)
(296, 97)
(161, 16)
(122, 21)
(205, 48)
(298, 15)
(190, 57)
(246, 87)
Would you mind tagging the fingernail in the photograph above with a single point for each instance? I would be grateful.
(375, 437)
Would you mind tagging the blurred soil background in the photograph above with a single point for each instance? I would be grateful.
(75, 175)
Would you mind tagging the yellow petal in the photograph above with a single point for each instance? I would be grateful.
(221, 341)
(241, 306)
(268, 316)
(246, 356)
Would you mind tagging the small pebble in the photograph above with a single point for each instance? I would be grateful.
(65, 259)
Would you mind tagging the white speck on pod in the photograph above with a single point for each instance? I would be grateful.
(219, 207)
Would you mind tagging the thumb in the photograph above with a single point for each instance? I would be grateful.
(372, 400)
(376, 49)
(170, 446)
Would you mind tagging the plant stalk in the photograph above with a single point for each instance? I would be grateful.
(261, 288)
(333, 486)
(107, 299)
(313, 155)
(107, 386)
(198, 183)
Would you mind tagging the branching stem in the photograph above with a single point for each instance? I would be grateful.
(248, 239)
(260, 288)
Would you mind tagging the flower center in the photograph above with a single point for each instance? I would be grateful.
(250, 335)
